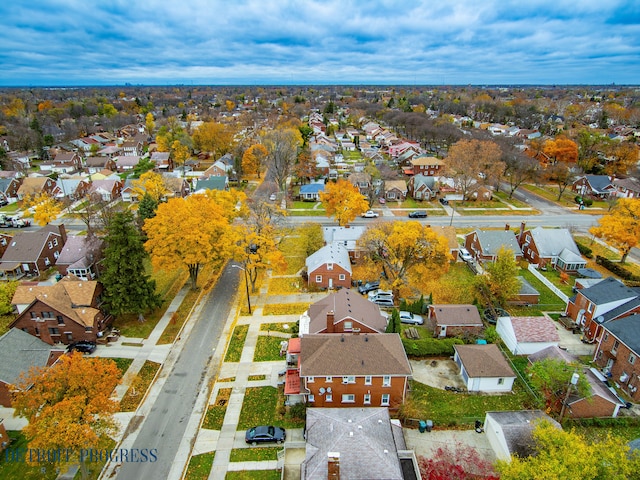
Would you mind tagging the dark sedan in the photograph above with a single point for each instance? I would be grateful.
(368, 287)
(418, 214)
(83, 346)
(265, 434)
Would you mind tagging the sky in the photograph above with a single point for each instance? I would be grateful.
(275, 42)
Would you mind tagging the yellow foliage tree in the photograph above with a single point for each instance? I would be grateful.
(214, 137)
(150, 183)
(562, 149)
(149, 123)
(179, 152)
(188, 232)
(69, 406)
(46, 208)
(343, 201)
(254, 158)
(230, 105)
(621, 226)
(404, 254)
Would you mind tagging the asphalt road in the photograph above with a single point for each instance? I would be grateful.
(165, 425)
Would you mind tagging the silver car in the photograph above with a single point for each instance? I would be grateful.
(411, 318)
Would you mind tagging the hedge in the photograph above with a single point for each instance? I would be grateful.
(430, 346)
(584, 250)
(616, 268)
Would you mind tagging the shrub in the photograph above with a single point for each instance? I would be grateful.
(418, 307)
(616, 268)
(430, 346)
(584, 250)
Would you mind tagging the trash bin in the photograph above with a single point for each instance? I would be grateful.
(422, 426)
(429, 425)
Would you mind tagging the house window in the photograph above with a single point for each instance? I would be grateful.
(386, 381)
(311, 398)
(348, 326)
(56, 255)
(54, 331)
(341, 276)
(385, 400)
(311, 379)
(501, 381)
(614, 349)
(329, 266)
(88, 329)
(55, 242)
(606, 337)
(348, 398)
(590, 307)
(50, 245)
(318, 278)
(367, 380)
(367, 399)
(632, 358)
(34, 315)
(349, 379)
(47, 314)
(69, 336)
(329, 397)
(328, 379)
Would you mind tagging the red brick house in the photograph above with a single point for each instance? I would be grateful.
(427, 166)
(97, 164)
(484, 245)
(9, 188)
(551, 247)
(354, 370)
(606, 301)
(329, 267)
(618, 351)
(35, 186)
(31, 253)
(19, 352)
(345, 311)
(454, 320)
(65, 312)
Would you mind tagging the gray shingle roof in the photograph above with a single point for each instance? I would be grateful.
(609, 290)
(517, 427)
(20, 351)
(627, 330)
(492, 240)
(551, 241)
(332, 253)
(484, 361)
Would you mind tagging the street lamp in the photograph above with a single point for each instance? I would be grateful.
(246, 282)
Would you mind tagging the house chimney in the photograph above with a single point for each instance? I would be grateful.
(521, 236)
(330, 319)
(333, 466)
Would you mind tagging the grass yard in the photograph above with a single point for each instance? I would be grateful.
(276, 327)
(511, 201)
(603, 251)
(236, 344)
(306, 213)
(200, 466)
(256, 378)
(19, 468)
(123, 364)
(305, 205)
(553, 276)
(268, 349)
(139, 386)
(216, 412)
(285, 285)
(453, 287)
(625, 428)
(548, 301)
(254, 475)
(254, 454)
(285, 308)
(260, 407)
(450, 409)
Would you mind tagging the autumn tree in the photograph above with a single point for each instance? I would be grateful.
(561, 149)
(501, 283)
(214, 137)
(150, 183)
(282, 145)
(309, 238)
(46, 208)
(7, 290)
(470, 161)
(620, 226)
(306, 167)
(623, 158)
(253, 160)
(404, 254)
(343, 201)
(189, 232)
(590, 145)
(562, 174)
(551, 378)
(149, 123)
(455, 462)
(127, 287)
(69, 406)
(170, 133)
(563, 454)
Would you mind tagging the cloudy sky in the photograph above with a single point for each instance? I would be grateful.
(425, 42)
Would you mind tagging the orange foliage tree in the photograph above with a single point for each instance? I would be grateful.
(343, 201)
(621, 226)
(562, 149)
(253, 160)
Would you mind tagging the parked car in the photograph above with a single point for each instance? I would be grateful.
(370, 214)
(444, 201)
(381, 293)
(386, 302)
(418, 214)
(382, 201)
(411, 318)
(368, 287)
(464, 254)
(83, 346)
(265, 434)
(273, 197)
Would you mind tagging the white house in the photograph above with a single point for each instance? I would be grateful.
(527, 335)
(484, 368)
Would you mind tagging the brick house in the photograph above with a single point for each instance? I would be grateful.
(97, 164)
(427, 166)
(596, 186)
(618, 351)
(395, 190)
(79, 255)
(608, 300)
(65, 312)
(35, 186)
(345, 311)
(9, 188)
(421, 187)
(329, 267)
(64, 162)
(106, 190)
(31, 253)
(485, 244)
(553, 247)
(354, 370)
(19, 352)
(454, 320)
(347, 237)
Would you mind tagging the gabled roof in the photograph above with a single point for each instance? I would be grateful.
(342, 234)
(609, 290)
(338, 355)
(550, 242)
(484, 361)
(599, 183)
(332, 253)
(534, 329)
(212, 183)
(553, 352)
(426, 180)
(492, 240)
(397, 184)
(457, 315)
(364, 438)
(345, 304)
(70, 290)
(77, 250)
(27, 246)
(19, 351)
(627, 330)
(630, 184)
(312, 188)
(427, 161)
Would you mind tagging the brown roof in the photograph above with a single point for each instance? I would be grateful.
(26, 246)
(338, 355)
(454, 315)
(426, 161)
(535, 329)
(346, 304)
(484, 361)
(33, 185)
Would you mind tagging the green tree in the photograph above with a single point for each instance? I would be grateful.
(551, 379)
(127, 288)
(394, 322)
(7, 290)
(501, 282)
(147, 208)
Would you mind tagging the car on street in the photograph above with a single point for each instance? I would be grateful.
(464, 255)
(369, 287)
(273, 197)
(83, 346)
(411, 318)
(382, 201)
(418, 214)
(370, 214)
(265, 434)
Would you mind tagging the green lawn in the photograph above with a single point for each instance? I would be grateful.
(548, 301)
(260, 407)
(276, 327)
(268, 349)
(200, 466)
(307, 213)
(236, 344)
(123, 364)
(305, 205)
(254, 475)
(258, 454)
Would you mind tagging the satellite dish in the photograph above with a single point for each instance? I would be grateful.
(321, 390)
(328, 389)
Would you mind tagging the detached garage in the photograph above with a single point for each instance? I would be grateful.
(527, 335)
(484, 368)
